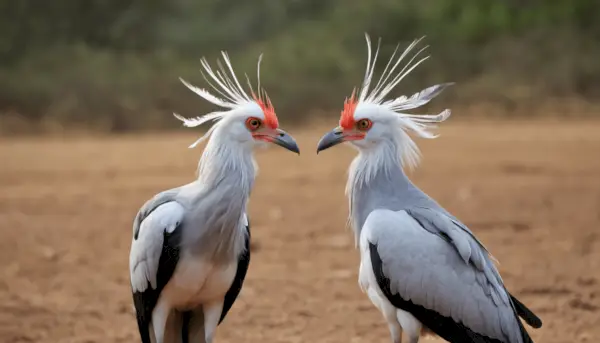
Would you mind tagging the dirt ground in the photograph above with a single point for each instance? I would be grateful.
(529, 190)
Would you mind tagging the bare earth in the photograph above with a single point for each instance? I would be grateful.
(530, 191)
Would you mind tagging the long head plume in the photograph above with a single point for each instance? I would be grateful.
(232, 96)
(389, 79)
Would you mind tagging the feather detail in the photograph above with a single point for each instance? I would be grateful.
(206, 95)
(232, 96)
(199, 121)
(193, 122)
(389, 79)
(374, 98)
(420, 124)
(418, 99)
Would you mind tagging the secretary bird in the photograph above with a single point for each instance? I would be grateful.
(420, 266)
(190, 249)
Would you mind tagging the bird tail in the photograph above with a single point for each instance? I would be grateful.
(528, 316)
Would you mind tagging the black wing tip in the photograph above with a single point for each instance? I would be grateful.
(142, 318)
(528, 316)
(535, 323)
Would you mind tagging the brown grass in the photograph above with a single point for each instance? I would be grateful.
(529, 190)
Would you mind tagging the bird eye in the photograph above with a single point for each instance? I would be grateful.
(253, 124)
(364, 124)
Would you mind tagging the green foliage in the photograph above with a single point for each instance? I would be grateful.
(114, 65)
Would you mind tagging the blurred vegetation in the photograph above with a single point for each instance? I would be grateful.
(113, 65)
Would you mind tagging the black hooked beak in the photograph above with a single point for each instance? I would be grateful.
(331, 138)
(285, 140)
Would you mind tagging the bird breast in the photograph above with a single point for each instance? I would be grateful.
(198, 280)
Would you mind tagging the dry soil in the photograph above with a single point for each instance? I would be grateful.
(529, 190)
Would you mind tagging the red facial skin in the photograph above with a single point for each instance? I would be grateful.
(269, 111)
(350, 128)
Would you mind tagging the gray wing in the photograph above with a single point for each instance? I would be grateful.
(154, 255)
(429, 266)
(471, 251)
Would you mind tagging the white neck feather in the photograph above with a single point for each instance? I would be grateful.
(225, 156)
(226, 173)
(385, 157)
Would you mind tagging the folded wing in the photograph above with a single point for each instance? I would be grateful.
(154, 256)
(427, 264)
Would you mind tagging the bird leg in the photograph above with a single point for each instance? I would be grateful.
(410, 325)
(212, 314)
(395, 332)
(160, 315)
(387, 310)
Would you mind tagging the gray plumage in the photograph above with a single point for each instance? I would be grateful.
(420, 266)
(431, 258)
(191, 244)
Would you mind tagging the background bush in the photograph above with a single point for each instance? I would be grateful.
(113, 65)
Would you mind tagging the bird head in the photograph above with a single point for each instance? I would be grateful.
(247, 119)
(368, 119)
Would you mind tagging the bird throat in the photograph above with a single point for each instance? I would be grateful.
(376, 180)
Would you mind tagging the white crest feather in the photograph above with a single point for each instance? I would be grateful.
(389, 79)
(226, 84)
